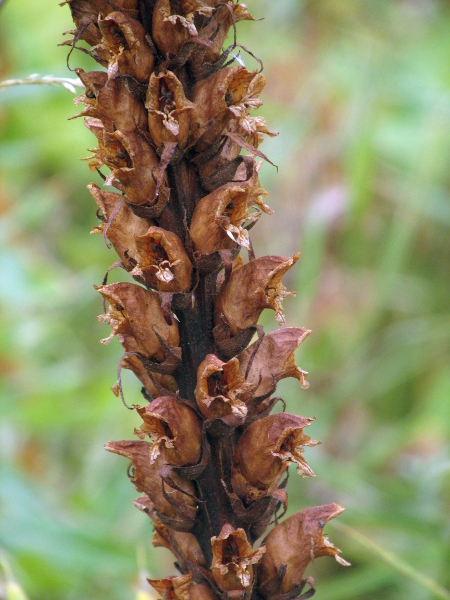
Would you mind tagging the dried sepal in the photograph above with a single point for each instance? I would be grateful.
(162, 261)
(295, 543)
(168, 110)
(110, 101)
(145, 475)
(181, 588)
(233, 559)
(182, 544)
(124, 39)
(220, 218)
(221, 389)
(271, 359)
(175, 430)
(123, 226)
(137, 319)
(265, 450)
(252, 288)
(139, 176)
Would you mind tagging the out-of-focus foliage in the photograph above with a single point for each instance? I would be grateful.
(360, 93)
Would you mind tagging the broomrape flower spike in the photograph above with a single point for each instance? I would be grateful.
(171, 110)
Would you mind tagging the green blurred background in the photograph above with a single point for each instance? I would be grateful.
(360, 93)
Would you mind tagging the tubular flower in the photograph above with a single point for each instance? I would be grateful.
(175, 430)
(219, 218)
(130, 308)
(138, 178)
(162, 261)
(168, 110)
(145, 475)
(109, 100)
(125, 40)
(265, 450)
(252, 288)
(221, 390)
(122, 226)
(171, 112)
(219, 99)
(295, 543)
(267, 362)
(233, 559)
(170, 31)
(181, 588)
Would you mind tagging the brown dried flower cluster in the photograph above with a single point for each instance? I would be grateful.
(171, 112)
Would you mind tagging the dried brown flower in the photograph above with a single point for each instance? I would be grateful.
(181, 588)
(167, 501)
(175, 430)
(168, 110)
(131, 308)
(252, 288)
(266, 362)
(162, 261)
(295, 543)
(233, 559)
(109, 100)
(265, 450)
(221, 389)
(125, 40)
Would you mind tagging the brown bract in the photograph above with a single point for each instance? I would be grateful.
(125, 40)
(133, 363)
(265, 450)
(162, 261)
(123, 226)
(221, 389)
(135, 314)
(175, 430)
(233, 559)
(178, 542)
(296, 542)
(252, 288)
(138, 177)
(110, 101)
(266, 362)
(220, 218)
(146, 478)
(168, 110)
(181, 588)
(225, 96)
